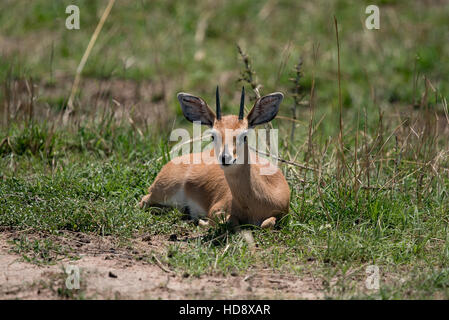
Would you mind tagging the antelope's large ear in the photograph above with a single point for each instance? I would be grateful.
(265, 109)
(196, 109)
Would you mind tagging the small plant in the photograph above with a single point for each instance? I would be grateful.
(297, 94)
(39, 251)
(248, 75)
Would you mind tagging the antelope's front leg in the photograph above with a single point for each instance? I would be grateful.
(218, 214)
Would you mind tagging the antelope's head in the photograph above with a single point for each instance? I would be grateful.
(230, 132)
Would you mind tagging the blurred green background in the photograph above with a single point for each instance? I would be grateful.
(171, 46)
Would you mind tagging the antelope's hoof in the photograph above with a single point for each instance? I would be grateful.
(268, 223)
(143, 203)
(203, 223)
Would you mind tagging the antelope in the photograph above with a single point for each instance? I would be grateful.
(230, 189)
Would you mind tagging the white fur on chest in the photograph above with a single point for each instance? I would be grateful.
(181, 201)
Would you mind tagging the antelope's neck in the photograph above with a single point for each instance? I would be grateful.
(245, 184)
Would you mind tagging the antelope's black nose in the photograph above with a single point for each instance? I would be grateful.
(225, 159)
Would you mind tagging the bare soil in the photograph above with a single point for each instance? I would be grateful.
(112, 271)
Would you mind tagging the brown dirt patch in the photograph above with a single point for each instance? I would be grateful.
(119, 271)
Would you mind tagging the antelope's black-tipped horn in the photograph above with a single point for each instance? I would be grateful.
(217, 97)
(242, 104)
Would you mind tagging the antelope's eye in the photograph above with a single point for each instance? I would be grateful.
(241, 138)
(213, 135)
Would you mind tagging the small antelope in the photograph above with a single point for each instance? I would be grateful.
(231, 188)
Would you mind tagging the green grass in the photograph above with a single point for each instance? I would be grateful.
(94, 192)
(89, 176)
